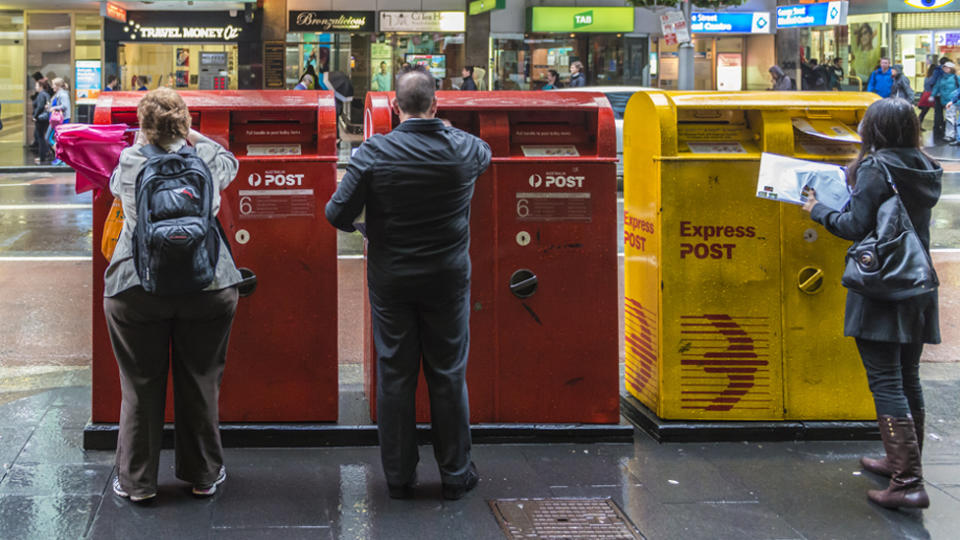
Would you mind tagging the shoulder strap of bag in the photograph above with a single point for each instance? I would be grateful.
(903, 209)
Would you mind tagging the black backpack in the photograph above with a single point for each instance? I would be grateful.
(176, 241)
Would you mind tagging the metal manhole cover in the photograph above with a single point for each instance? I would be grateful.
(563, 518)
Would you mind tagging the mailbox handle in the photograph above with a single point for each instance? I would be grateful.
(523, 283)
(812, 284)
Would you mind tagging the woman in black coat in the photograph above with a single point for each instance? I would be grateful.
(890, 335)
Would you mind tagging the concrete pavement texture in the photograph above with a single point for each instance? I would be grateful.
(51, 488)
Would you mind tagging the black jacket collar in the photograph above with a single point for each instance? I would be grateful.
(421, 124)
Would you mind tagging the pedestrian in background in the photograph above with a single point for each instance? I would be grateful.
(113, 84)
(468, 82)
(900, 88)
(553, 80)
(890, 334)
(577, 78)
(835, 73)
(150, 332)
(781, 81)
(881, 79)
(59, 109)
(926, 98)
(41, 119)
(943, 93)
(416, 184)
(306, 82)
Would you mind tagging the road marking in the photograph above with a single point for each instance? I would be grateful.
(64, 206)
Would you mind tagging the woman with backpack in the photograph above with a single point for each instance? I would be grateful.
(943, 93)
(890, 334)
(163, 307)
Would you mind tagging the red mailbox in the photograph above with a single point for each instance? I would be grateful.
(544, 325)
(282, 360)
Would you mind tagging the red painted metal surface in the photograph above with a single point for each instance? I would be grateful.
(551, 357)
(282, 360)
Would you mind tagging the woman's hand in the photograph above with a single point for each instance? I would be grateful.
(193, 137)
(812, 201)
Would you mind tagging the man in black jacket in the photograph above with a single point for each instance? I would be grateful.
(468, 82)
(416, 184)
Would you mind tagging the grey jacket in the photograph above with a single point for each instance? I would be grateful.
(901, 89)
(917, 177)
(416, 184)
(122, 273)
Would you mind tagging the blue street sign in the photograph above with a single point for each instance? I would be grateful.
(822, 14)
(730, 23)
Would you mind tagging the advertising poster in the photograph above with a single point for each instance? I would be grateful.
(729, 71)
(183, 57)
(183, 78)
(88, 81)
(381, 65)
(864, 49)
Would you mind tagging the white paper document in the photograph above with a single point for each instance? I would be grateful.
(786, 179)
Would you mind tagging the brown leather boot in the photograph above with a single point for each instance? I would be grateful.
(882, 466)
(903, 454)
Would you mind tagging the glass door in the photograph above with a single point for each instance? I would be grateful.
(13, 100)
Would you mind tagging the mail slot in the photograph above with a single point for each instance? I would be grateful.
(543, 326)
(282, 360)
(734, 308)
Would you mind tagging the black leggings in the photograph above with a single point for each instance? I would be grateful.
(893, 371)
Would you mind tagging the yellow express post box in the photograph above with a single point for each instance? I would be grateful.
(733, 304)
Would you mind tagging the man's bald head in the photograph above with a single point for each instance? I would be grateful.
(415, 91)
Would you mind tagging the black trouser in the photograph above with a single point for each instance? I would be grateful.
(893, 372)
(144, 330)
(923, 113)
(40, 138)
(939, 121)
(433, 325)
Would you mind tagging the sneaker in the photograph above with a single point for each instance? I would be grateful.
(453, 492)
(208, 490)
(119, 492)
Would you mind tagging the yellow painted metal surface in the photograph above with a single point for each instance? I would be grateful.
(733, 309)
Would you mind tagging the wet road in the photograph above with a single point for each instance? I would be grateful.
(42, 216)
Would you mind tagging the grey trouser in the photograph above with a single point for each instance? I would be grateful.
(147, 331)
(893, 372)
(436, 327)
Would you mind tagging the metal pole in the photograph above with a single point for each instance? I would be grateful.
(685, 55)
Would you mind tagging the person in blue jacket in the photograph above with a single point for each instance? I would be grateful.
(943, 94)
(881, 79)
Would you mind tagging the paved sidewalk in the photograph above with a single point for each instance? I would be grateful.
(51, 488)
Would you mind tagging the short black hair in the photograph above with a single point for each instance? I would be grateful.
(944, 60)
(415, 90)
(37, 76)
(111, 78)
(813, 61)
(468, 69)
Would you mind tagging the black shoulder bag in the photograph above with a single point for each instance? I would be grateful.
(891, 263)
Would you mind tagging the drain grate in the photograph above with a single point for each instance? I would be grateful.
(563, 519)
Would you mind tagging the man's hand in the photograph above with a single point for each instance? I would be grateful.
(949, 106)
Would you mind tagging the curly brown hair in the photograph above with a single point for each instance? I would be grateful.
(163, 116)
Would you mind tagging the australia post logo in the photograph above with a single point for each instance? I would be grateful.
(556, 180)
(275, 179)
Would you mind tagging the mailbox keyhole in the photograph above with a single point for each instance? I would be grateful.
(523, 283)
(810, 280)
